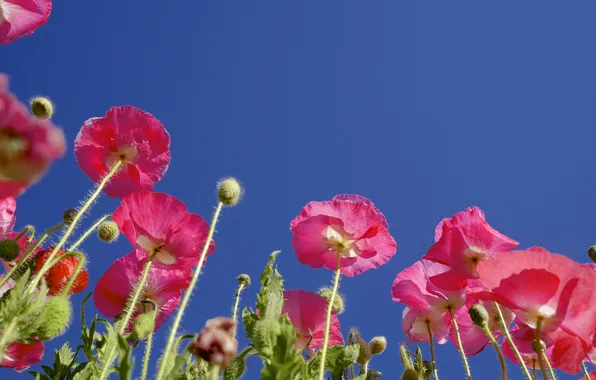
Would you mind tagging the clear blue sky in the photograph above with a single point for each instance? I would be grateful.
(424, 107)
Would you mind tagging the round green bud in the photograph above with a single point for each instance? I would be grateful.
(55, 317)
(108, 231)
(143, 326)
(338, 301)
(479, 315)
(428, 366)
(410, 374)
(592, 253)
(244, 280)
(229, 191)
(535, 346)
(69, 215)
(9, 249)
(378, 344)
(42, 107)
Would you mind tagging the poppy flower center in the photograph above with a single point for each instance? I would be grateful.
(126, 153)
(12, 146)
(156, 250)
(473, 255)
(339, 243)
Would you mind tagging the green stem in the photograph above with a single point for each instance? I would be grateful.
(6, 336)
(534, 369)
(147, 356)
(585, 369)
(550, 368)
(28, 254)
(495, 344)
(328, 320)
(27, 228)
(539, 349)
(432, 350)
(89, 232)
(236, 304)
(78, 269)
(107, 362)
(213, 373)
(460, 345)
(505, 329)
(187, 294)
(76, 219)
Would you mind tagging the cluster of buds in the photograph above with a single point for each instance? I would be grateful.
(216, 343)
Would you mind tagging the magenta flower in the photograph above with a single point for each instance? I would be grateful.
(539, 285)
(27, 145)
(164, 287)
(8, 208)
(307, 312)
(159, 224)
(523, 337)
(349, 226)
(21, 356)
(20, 18)
(415, 321)
(124, 133)
(465, 240)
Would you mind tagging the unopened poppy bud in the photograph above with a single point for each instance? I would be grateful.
(229, 191)
(55, 318)
(244, 280)
(42, 108)
(364, 354)
(235, 369)
(216, 343)
(378, 344)
(143, 326)
(405, 357)
(410, 374)
(428, 366)
(69, 215)
(535, 346)
(9, 249)
(479, 315)
(338, 302)
(592, 253)
(108, 231)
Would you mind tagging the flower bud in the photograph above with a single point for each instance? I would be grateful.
(364, 354)
(592, 253)
(108, 231)
(535, 346)
(479, 315)
(9, 249)
(216, 343)
(428, 367)
(235, 369)
(405, 357)
(55, 317)
(244, 280)
(338, 302)
(410, 374)
(42, 107)
(69, 215)
(378, 344)
(229, 191)
(143, 326)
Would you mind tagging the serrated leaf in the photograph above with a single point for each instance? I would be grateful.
(125, 359)
(249, 319)
(348, 357)
(270, 298)
(65, 354)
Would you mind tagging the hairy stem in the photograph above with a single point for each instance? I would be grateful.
(28, 228)
(505, 329)
(495, 344)
(147, 356)
(78, 269)
(328, 320)
(585, 369)
(89, 232)
(460, 346)
(236, 305)
(432, 350)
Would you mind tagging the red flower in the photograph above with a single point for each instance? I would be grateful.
(130, 133)
(348, 225)
(465, 240)
(20, 355)
(57, 276)
(19, 18)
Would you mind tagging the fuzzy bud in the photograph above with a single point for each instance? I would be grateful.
(378, 344)
(535, 346)
(55, 318)
(216, 343)
(229, 191)
(592, 253)
(42, 108)
(143, 326)
(410, 374)
(244, 280)
(428, 367)
(69, 215)
(338, 302)
(404, 356)
(479, 315)
(9, 249)
(108, 231)
(235, 369)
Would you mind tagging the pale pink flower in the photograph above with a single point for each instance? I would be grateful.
(124, 133)
(20, 18)
(8, 216)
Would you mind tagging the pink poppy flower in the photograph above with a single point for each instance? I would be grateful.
(465, 240)
(164, 287)
(124, 132)
(27, 145)
(19, 18)
(159, 223)
(568, 351)
(307, 311)
(414, 323)
(539, 285)
(21, 356)
(523, 337)
(8, 208)
(348, 225)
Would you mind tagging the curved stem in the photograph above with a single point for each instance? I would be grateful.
(187, 294)
(539, 349)
(107, 362)
(147, 356)
(460, 345)
(328, 320)
(75, 275)
(236, 304)
(550, 368)
(76, 219)
(432, 350)
(28, 228)
(505, 329)
(89, 232)
(585, 369)
(495, 344)
(28, 253)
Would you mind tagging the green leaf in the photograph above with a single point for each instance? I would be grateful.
(348, 357)
(125, 359)
(249, 319)
(286, 361)
(270, 298)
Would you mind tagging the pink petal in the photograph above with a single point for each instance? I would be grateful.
(414, 324)
(21, 356)
(7, 215)
(19, 18)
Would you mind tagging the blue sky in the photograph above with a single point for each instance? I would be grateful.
(426, 108)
